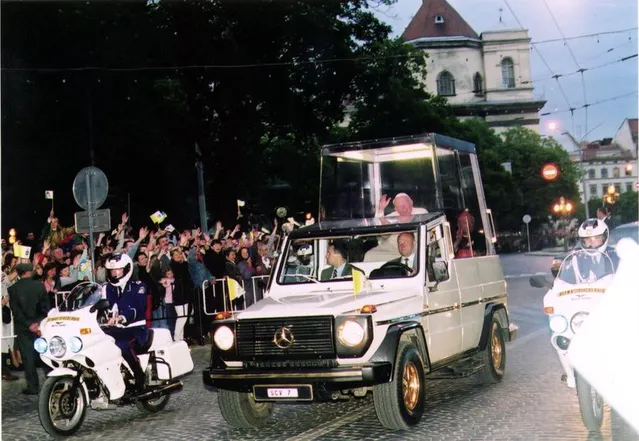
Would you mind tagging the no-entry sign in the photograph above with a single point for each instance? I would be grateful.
(549, 172)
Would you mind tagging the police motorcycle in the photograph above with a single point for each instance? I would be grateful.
(88, 369)
(583, 277)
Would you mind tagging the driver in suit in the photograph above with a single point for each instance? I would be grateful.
(407, 250)
(339, 267)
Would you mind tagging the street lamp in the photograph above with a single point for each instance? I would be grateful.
(563, 208)
(611, 195)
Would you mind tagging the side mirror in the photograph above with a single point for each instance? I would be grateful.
(440, 271)
(540, 281)
(101, 304)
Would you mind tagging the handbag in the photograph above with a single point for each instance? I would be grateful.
(6, 314)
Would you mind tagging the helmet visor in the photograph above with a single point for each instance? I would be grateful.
(593, 242)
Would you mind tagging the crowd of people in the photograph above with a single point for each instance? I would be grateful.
(174, 265)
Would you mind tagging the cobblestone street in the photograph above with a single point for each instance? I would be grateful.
(531, 403)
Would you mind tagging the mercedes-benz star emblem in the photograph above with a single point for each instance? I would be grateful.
(283, 338)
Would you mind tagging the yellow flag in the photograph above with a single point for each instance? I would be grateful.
(235, 290)
(358, 280)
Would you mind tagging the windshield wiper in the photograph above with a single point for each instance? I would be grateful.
(306, 276)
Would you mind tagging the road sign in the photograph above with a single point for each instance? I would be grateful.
(526, 218)
(90, 188)
(101, 221)
(550, 172)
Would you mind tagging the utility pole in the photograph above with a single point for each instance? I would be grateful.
(200, 188)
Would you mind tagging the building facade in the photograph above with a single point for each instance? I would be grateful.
(626, 136)
(482, 76)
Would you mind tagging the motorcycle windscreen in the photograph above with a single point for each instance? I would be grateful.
(585, 267)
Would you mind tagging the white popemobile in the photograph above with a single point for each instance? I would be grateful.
(343, 323)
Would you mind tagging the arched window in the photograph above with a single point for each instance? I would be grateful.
(446, 84)
(615, 172)
(508, 72)
(478, 84)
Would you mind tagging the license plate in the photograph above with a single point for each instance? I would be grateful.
(282, 393)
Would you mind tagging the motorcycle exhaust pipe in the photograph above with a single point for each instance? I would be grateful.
(157, 393)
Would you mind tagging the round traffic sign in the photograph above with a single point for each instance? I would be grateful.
(90, 188)
(527, 218)
(550, 172)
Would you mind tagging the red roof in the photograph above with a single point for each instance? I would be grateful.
(423, 23)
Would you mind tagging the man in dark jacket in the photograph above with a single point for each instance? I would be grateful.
(30, 304)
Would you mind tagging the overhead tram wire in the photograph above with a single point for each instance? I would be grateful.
(572, 54)
(599, 66)
(271, 64)
(556, 77)
(596, 103)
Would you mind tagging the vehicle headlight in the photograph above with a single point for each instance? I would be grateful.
(224, 338)
(558, 323)
(57, 347)
(577, 320)
(40, 345)
(75, 344)
(350, 333)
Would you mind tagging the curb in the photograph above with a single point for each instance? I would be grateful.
(544, 253)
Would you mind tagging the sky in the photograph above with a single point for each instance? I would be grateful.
(574, 18)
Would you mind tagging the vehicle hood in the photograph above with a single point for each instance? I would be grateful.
(389, 303)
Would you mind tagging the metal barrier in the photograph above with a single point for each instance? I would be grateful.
(255, 282)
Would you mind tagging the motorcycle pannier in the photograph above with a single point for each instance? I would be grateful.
(178, 357)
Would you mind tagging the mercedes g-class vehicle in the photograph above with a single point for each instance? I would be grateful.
(371, 302)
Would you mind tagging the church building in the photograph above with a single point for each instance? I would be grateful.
(483, 76)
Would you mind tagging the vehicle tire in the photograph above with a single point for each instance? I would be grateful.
(591, 405)
(54, 401)
(493, 357)
(240, 409)
(400, 403)
(153, 406)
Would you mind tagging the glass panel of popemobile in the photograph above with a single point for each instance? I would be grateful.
(438, 173)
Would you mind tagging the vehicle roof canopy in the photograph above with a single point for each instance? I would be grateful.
(365, 226)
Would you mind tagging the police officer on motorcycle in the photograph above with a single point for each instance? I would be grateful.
(130, 302)
(594, 258)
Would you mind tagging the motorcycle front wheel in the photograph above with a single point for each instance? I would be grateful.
(591, 405)
(59, 412)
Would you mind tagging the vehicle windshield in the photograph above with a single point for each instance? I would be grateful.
(83, 295)
(335, 258)
(585, 267)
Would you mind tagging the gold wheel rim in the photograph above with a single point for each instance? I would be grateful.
(496, 349)
(410, 386)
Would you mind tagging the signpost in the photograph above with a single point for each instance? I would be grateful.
(90, 190)
(527, 220)
(101, 221)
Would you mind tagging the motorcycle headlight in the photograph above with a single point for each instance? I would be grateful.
(57, 347)
(40, 345)
(558, 323)
(577, 320)
(350, 333)
(75, 344)
(224, 338)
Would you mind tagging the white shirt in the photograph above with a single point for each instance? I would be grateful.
(411, 260)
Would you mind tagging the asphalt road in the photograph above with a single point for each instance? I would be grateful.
(531, 403)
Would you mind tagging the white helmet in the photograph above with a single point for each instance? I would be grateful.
(117, 262)
(594, 230)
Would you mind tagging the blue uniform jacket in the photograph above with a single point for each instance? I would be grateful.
(132, 303)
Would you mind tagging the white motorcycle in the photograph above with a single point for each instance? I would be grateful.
(88, 367)
(581, 282)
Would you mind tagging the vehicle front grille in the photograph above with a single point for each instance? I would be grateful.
(312, 338)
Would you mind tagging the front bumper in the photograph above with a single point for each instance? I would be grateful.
(243, 380)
